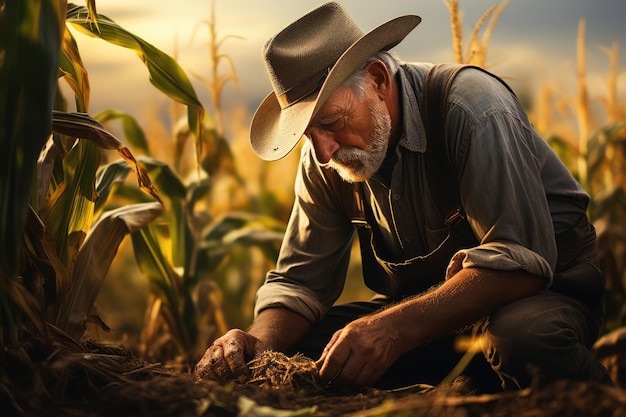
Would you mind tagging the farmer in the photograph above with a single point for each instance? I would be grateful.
(515, 264)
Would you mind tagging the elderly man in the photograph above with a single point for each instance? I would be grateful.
(515, 263)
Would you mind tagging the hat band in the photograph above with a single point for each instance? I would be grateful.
(302, 90)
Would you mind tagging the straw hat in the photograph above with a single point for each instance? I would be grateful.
(306, 62)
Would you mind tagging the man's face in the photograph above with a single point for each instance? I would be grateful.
(351, 134)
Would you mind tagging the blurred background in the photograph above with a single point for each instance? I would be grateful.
(533, 43)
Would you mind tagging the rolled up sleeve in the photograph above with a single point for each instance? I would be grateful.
(501, 162)
(504, 257)
(311, 269)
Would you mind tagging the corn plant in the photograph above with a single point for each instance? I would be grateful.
(596, 158)
(186, 252)
(183, 256)
(58, 237)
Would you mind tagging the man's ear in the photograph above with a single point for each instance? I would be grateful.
(380, 76)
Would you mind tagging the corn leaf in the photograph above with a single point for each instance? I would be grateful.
(13, 291)
(108, 176)
(93, 14)
(564, 149)
(81, 125)
(68, 213)
(132, 131)
(240, 229)
(148, 244)
(74, 72)
(94, 260)
(165, 73)
(235, 220)
(50, 272)
(172, 188)
(608, 136)
(30, 39)
(610, 205)
(39, 249)
(46, 179)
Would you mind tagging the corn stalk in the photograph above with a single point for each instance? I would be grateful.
(477, 47)
(29, 45)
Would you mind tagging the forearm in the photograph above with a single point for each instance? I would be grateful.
(463, 299)
(279, 328)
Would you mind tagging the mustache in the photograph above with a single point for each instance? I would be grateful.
(346, 154)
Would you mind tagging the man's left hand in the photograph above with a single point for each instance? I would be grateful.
(360, 353)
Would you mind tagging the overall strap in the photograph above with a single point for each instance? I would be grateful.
(441, 175)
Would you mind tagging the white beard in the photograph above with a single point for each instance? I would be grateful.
(357, 165)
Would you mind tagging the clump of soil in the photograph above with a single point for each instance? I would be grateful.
(275, 370)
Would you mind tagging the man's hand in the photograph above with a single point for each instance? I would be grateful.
(360, 353)
(226, 359)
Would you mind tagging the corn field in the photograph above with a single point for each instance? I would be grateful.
(201, 233)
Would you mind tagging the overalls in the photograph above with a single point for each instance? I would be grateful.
(552, 330)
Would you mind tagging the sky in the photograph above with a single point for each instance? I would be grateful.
(534, 42)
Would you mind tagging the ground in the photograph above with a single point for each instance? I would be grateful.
(93, 380)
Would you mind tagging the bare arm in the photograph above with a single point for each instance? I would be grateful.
(280, 328)
(362, 351)
(226, 359)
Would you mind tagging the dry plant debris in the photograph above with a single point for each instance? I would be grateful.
(275, 370)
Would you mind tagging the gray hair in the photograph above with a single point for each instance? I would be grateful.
(356, 81)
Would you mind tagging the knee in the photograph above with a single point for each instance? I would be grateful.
(547, 335)
(530, 337)
(519, 347)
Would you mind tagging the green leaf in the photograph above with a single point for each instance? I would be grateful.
(165, 73)
(606, 137)
(610, 205)
(148, 245)
(93, 14)
(82, 125)
(236, 220)
(172, 188)
(48, 162)
(94, 260)
(132, 130)
(240, 229)
(164, 177)
(68, 213)
(109, 175)
(74, 72)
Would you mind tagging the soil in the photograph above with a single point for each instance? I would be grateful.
(97, 380)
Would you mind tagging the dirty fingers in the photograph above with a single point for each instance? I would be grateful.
(225, 359)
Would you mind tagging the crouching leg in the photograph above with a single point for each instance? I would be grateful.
(545, 336)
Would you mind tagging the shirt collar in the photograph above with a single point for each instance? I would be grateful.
(413, 135)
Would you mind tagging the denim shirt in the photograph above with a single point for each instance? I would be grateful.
(516, 194)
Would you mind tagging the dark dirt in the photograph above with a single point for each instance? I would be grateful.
(96, 381)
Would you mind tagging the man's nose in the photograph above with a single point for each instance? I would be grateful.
(324, 145)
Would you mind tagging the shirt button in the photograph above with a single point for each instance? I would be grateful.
(396, 197)
(408, 238)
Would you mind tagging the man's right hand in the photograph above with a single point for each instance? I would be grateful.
(226, 359)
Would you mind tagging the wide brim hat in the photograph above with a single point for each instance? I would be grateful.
(306, 62)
